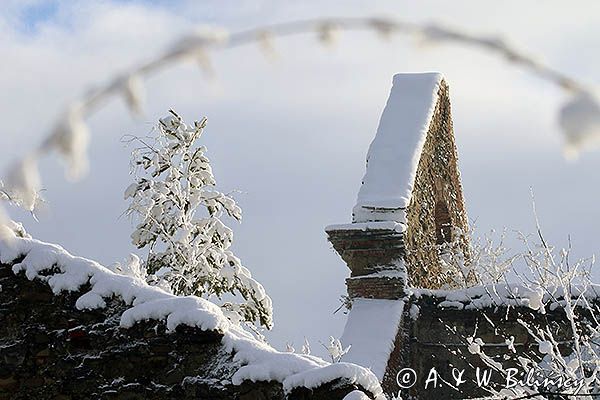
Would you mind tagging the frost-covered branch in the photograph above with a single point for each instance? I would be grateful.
(579, 117)
(335, 349)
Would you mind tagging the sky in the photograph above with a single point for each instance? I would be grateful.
(290, 135)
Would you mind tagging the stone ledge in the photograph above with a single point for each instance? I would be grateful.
(368, 251)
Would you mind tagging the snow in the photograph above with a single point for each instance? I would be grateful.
(475, 345)
(23, 184)
(316, 377)
(259, 361)
(356, 395)
(368, 226)
(486, 296)
(580, 121)
(71, 139)
(451, 304)
(371, 330)
(510, 343)
(148, 302)
(189, 310)
(394, 154)
(398, 271)
(414, 311)
(545, 347)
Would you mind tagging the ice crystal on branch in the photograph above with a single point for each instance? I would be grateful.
(179, 212)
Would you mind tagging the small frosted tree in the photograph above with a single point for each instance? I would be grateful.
(179, 213)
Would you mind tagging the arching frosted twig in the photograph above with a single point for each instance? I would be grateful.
(579, 117)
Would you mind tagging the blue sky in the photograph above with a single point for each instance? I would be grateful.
(35, 14)
(292, 135)
(29, 15)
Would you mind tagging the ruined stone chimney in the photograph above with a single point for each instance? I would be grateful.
(409, 216)
(410, 205)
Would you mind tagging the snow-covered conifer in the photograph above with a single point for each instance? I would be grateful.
(179, 212)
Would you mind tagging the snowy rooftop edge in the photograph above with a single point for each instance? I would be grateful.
(395, 151)
(260, 361)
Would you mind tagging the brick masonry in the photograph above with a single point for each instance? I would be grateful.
(368, 251)
(376, 287)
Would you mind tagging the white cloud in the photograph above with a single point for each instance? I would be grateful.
(292, 135)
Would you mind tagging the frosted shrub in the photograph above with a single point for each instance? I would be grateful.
(335, 349)
(553, 281)
(179, 213)
(488, 261)
(543, 279)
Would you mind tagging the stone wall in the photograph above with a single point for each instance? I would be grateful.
(50, 350)
(437, 187)
(436, 337)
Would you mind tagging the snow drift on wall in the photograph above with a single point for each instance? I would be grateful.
(394, 154)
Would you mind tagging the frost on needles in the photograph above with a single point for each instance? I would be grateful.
(179, 213)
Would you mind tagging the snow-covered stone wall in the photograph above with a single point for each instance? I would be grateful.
(51, 350)
(439, 328)
(71, 328)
